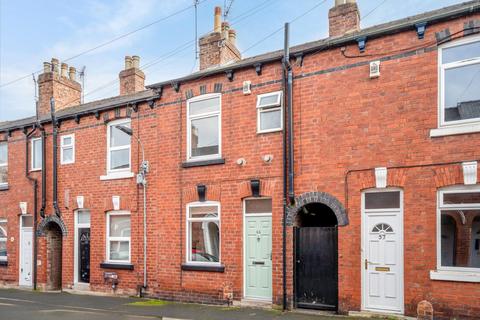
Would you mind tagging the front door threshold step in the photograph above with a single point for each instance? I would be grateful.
(384, 315)
(315, 312)
(253, 303)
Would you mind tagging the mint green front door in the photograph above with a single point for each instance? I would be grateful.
(258, 257)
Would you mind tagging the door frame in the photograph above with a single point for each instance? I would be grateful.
(244, 262)
(400, 213)
(20, 259)
(76, 254)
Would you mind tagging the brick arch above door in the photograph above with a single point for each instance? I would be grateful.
(51, 219)
(318, 197)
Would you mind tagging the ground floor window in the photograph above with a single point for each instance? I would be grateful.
(459, 229)
(118, 237)
(3, 240)
(203, 233)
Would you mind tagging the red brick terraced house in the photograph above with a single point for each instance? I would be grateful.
(342, 178)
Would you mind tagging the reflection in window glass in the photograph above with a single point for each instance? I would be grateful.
(83, 217)
(3, 163)
(382, 200)
(271, 119)
(258, 206)
(461, 198)
(460, 238)
(204, 234)
(36, 154)
(3, 240)
(461, 52)
(204, 139)
(118, 235)
(119, 145)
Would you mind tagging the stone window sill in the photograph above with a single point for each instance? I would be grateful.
(458, 276)
(455, 130)
(206, 268)
(117, 175)
(3, 263)
(191, 164)
(118, 266)
(3, 187)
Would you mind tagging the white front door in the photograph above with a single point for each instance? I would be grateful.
(382, 263)
(26, 252)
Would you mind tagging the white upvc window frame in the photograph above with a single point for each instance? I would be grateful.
(33, 141)
(218, 113)
(278, 105)
(109, 238)
(110, 149)
(4, 239)
(445, 272)
(64, 146)
(5, 164)
(441, 84)
(188, 234)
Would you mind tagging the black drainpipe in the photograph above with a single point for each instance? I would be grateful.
(287, 98)
(44, 175)
(55, 178)
(35, 205)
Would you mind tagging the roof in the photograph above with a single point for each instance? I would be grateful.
(377, 31)
(82, 109)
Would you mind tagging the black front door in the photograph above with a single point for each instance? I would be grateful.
(84, 250)
(316, 269)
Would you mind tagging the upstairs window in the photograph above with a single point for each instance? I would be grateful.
(36, 161)
(203, 231)
(3, 239)
(460, 82)
(269, 112)
(119, 147)
(458, 239)
(67, 149)
(204, 127)
(3, 163)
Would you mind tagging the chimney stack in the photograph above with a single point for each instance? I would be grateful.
(218, 47)
(344, 18)
(132, 79)
(59, 85)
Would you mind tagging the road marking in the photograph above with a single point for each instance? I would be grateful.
(18, 300)
(7, 304)
(66, 310)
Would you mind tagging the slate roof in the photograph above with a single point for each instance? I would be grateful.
(392, 27)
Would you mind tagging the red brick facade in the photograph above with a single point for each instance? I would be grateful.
(345, 125)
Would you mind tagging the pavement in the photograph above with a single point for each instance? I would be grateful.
(34, 305)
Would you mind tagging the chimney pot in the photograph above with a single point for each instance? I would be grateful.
(64, 70)
(136, 62)
(55, 65)
(72, 73)
(47, 67)
(225, 28)
(232, 36)
(217, 20)
(128, 62)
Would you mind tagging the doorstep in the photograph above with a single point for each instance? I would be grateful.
(314, 312)
(253, 303)
(371, 314)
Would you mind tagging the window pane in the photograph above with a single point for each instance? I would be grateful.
(461, 198)
(3, 174)
(460, 238)
(3, 153)
(462, 93)
(382, 200)
(204, 212)
(83, 216)
(258, 206)
(68, 155)
(119, 138)
(120, 159)
(120, 226)
(204, 138)
(37, 154)
(27, 221)
(204, 106)
(269, 100)
(3, 249)
(3, 230)
(205, 241)
(270, 119)
(119, 250)
(67, 141)
(458, 53)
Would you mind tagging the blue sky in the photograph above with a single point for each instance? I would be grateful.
(35, 31)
